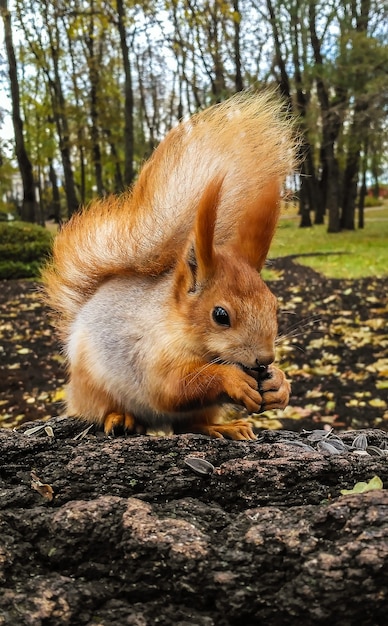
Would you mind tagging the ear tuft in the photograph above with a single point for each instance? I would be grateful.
(198, 264)
(191, 261)
(257, 228)
(204, 228)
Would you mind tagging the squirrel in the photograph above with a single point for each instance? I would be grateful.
(159, 302)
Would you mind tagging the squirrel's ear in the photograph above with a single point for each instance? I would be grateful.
(199, 261)
(257, 227)
(204, 229)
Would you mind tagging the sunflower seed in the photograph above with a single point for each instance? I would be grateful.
(199, 466)
(325, 446)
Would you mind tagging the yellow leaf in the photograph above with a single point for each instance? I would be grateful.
(58, 396)
(377, 403)
(23, 351)
(374, 484)
(377, 322)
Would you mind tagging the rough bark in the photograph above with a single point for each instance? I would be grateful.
(134, 536)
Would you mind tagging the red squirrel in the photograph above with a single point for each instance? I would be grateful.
(160, 305)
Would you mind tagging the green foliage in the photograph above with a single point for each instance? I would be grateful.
(6, 209)
(23, 249)
(7, 171)
(371, 201)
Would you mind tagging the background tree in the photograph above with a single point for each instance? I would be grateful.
(110, 77)
(366, 61)
(128, 90)
(44, 37)
(24, 163)
(325, 55)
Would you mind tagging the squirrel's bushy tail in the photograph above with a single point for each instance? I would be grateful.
(247, 140)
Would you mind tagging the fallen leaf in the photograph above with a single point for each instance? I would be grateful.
(362, 487)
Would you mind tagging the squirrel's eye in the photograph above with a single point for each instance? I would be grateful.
(220, 316)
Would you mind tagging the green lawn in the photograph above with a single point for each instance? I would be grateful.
(348, 254)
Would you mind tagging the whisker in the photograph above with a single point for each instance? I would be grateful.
(305, 321)
(292, 335)
(298, 329)
(193, 376)
(296, 347)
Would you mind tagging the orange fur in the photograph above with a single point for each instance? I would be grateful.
(205, 224)
(257, 228)
(136, 281)
(86, 396)
(246, 141)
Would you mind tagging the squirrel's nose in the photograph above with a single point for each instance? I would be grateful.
(264, 361)
(260, 369)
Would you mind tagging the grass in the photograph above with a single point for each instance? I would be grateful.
(348, 254)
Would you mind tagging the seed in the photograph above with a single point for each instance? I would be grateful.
(199, 466)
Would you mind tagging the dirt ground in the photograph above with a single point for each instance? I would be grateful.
(333, 345)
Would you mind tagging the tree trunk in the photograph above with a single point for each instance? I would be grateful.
(309, 196)
(24, 163)
(60, 118)
(122, 531)
(150, 118)
(361, 122)
(363, 188)
(40, 209)
(64, 147)
(331, 125)
(238, 79)
(56, 202)
(332, 196)
(128, 107)
(284, 82)
(81, 186)
(94, 62)
(118, 177)
(218, 74)
(304, 207)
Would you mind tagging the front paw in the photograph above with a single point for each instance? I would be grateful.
(242, 388)
(275, 390)
(239, 430)
(122, 423)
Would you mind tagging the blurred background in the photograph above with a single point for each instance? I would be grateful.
(89, 88)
